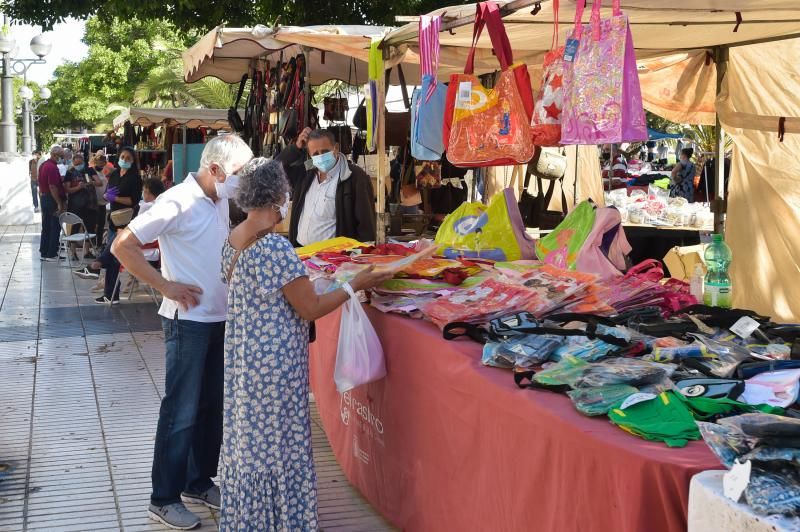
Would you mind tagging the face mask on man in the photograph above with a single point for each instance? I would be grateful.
(125, 165)
(324, 162)
(228, 189)
(80, 167)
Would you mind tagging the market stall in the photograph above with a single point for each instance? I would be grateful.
(439, 421)
(165, 135)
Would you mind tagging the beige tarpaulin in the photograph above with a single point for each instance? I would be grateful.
(336, 52)
(183, 116)
(761, 85)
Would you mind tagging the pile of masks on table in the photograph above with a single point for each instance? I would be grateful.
(730, 377)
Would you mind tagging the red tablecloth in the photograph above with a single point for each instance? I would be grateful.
(444, 443)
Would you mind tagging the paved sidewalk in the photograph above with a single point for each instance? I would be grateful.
(80, 386)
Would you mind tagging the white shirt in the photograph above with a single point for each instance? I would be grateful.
(318, 218)
(663, 151)
(191, 230)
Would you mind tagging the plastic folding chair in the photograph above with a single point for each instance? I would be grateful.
(153, 254)
(66, 221)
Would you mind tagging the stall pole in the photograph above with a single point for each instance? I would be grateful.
(719, 204)
(306, 87)
(184, 151)
(380, 234)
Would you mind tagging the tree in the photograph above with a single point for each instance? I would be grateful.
(121, 55)
(199, 14)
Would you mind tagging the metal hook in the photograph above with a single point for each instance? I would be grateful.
(536, 8)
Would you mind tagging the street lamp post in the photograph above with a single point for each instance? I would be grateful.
(28, 108)
(40, 46)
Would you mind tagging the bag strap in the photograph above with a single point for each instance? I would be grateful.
(249, 243)
(242, 84)
(578, 31)
(488, 14)
(554, 44)
(429, 28)
(594, 19)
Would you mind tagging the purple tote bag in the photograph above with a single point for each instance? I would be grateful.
(602, 99)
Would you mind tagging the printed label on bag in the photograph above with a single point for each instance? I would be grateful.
(571, 49)
(745, 327)
(464, 95)
(635, 399)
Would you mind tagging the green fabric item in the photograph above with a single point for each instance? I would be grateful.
(560, 248)
(705, 408)
(662, 183)
(665, 418)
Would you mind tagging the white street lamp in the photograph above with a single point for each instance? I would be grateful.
(44, 94)
(26, 93)
(41, 46)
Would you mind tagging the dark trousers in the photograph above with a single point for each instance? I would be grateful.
(189, 434)
(51, 229)
(35, 193)
(111, 265)
(100, 225)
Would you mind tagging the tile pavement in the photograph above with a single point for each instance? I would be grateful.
(80, 386)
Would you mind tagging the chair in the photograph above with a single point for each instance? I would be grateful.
(153, 254)
(66, 221)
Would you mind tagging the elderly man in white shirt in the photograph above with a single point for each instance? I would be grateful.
(191, 223)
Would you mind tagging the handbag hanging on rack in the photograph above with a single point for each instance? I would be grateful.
(546, 166)
(602, 97)
(234, 120)
(489, 127)
(428, 101)
(546, 120)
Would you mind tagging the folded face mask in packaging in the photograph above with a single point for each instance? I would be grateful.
(521, 351)
(598, 401)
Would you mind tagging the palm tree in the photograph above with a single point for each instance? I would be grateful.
(165, 87)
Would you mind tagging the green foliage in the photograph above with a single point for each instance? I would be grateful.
(121, 55)
(202, 15)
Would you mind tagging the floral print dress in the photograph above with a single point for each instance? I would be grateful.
(267, 475)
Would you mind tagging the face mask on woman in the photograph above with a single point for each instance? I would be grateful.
(324, 162)
(79, 167)
(125, 165)
(283, 210)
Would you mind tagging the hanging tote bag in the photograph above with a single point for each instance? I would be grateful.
(602, 98)
(428, 101)
(489, 127)
(359, 356)
(546, 120)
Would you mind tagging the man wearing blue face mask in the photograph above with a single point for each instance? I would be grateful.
(332, 198)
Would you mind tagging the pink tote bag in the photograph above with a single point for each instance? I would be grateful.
(602, 98)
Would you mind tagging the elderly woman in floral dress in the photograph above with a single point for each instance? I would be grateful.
(267, 469)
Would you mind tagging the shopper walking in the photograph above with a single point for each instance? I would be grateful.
(267, 471)
(52, 199)
(191, 223)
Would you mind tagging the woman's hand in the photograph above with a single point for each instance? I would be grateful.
(370, 278)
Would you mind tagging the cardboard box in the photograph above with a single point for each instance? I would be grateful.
(681, 261)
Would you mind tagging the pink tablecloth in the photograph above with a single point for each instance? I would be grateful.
(444, 443)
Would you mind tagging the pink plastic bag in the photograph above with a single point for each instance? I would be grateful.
(602, 97)
(606, 248)
(547, 108)
(359, 357)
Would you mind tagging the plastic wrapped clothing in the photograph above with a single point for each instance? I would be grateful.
(727, 443)
(662, 418)
(774, 489)
(598, 401)
(631, 371)
(522, 351)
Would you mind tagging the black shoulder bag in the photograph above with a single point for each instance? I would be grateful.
(234, 120)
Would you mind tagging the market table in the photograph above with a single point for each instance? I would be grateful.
(654, 242)
(444, 443)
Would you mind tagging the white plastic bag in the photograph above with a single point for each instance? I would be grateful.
(359, 357)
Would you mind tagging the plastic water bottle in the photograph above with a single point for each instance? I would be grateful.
(718, 290)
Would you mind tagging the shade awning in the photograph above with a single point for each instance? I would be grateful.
(654, 134)
(336, 52)
(183, 116)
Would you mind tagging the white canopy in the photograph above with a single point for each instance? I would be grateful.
(336, 52)
(190, 117)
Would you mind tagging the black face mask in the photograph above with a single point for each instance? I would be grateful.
(99, 168)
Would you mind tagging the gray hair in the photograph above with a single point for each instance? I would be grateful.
(262, 183)
(56, 148)
(228, 151)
